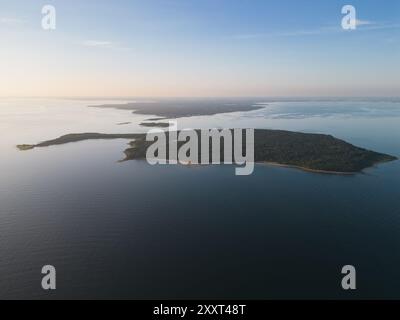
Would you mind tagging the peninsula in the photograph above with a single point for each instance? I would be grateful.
(178, 108)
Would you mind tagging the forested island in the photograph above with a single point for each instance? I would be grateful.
(155, 124)
(316, 152)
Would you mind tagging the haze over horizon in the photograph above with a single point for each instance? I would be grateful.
(125, 49)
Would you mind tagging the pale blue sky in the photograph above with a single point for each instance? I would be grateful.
(200, 48)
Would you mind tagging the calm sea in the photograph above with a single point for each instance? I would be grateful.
(130, 230)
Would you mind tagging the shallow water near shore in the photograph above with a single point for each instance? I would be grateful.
(130, 230)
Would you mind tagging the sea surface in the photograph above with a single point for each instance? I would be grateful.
(131, 230)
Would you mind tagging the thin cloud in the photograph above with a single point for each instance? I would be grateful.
(105, 44)
(98, 44)
(363, 25)
(10, 21)
(376, 26)
(295, 33)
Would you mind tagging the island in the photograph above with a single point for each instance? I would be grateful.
(313, 152)
(155, 119)
(155, 124)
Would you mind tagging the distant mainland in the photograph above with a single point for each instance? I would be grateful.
(178, 108)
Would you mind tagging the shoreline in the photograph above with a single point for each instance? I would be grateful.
(340, 173)
(325, 172)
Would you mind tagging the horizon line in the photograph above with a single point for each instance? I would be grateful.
(202, 97)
